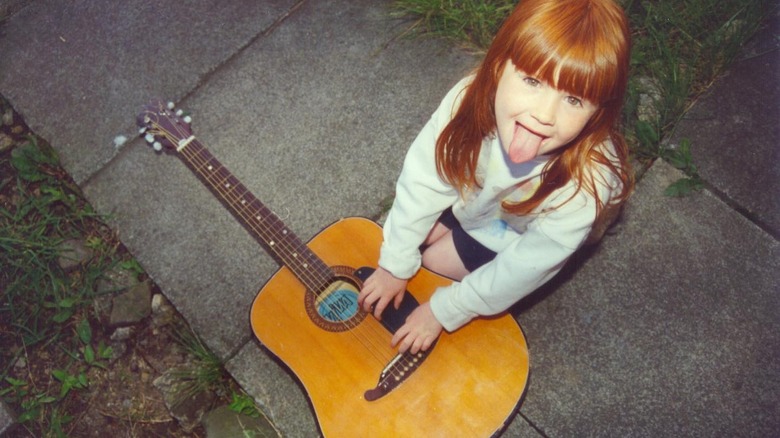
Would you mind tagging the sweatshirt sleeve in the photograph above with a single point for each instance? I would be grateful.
(420, 196)
(527, 263)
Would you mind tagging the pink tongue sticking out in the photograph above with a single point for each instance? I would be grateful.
(525, 145)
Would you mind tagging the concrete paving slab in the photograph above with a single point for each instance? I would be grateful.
(72, 68)
(671, 328)
(735, 133)
(314, 119)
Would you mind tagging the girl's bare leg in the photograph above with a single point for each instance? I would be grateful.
(440, 256)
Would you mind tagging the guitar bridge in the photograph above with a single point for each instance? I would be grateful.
(399, 369)
(404, 364)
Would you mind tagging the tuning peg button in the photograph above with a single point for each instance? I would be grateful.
(157, 146)
(149, 138)
(171, 105)
(187, 119)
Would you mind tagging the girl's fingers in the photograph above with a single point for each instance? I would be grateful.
(398, 299)
(379, 307)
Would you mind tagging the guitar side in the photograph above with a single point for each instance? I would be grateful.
(469, 385)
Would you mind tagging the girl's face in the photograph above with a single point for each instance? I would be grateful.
(533, 118)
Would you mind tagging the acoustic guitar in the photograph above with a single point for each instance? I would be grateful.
(469, 383)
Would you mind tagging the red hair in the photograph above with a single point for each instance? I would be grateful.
(578, 46)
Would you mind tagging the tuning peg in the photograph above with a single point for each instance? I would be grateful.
(149, 138)
(187, 119)
(142, 130)
(157, 146)
(171, 105)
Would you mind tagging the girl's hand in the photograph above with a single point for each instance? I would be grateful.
(379, 289)
(419, 331)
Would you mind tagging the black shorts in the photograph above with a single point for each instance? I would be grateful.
(472, 253)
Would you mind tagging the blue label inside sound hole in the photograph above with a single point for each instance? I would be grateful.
(339, 306)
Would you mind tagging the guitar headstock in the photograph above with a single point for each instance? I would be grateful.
(164, 127)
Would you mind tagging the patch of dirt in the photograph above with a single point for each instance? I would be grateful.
(120, 400)
(114, 396)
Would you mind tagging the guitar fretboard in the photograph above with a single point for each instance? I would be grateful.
(260, 221)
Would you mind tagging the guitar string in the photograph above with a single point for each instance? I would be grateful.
(400, 366)
(227, 195)
(217, 185)
(403, 363)
(319, 274)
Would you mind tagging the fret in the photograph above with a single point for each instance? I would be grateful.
(261, 222)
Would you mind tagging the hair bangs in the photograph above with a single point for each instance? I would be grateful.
(565, 47)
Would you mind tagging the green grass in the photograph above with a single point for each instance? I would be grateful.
(49, 354)
(679, 48)
(47, 314)
(42, 307)
(470, 23)
(38, 297)
(204, 373)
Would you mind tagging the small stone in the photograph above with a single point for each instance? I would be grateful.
(163, 312)
(131, 306)
(102, 306)
(118, 349)
(122, 334)
(160, 304)
(223, 422)
(8, 117)
(119, 140)
(20, 363)
(5, 142)
(115, 280)
(73, 252)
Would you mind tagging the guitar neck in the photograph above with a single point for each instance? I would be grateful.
(259, 220)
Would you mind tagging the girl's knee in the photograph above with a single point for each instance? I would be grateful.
(438, 231)
(442, 258)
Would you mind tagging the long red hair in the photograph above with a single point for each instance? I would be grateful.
(578, 46)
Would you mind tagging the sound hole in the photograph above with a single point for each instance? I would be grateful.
(335, 308)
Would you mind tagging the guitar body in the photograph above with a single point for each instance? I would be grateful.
(469, 385)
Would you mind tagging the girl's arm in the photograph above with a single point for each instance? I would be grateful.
(420, 198)
(420, 194)
(522, 267)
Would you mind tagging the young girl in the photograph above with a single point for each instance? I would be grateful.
(513, 169)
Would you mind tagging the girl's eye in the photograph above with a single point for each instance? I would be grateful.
(574, 101)
(532, 81)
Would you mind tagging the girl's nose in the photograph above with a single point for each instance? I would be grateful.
(546, 107)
